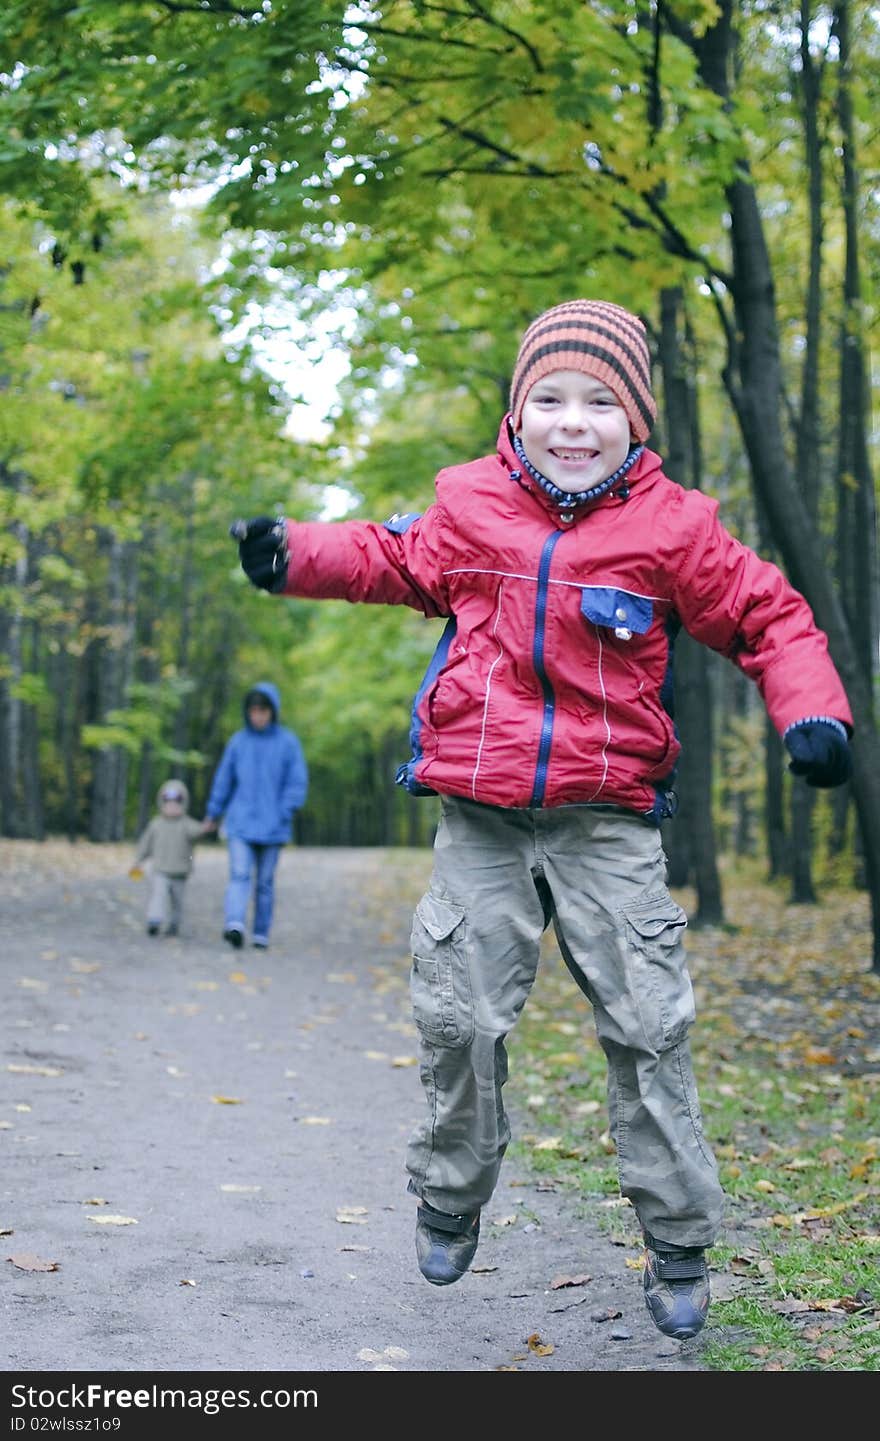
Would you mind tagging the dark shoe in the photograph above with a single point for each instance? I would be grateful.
(152, 929)
(676, 1287)
(445, 1245)
(171, 930)
(234, 936)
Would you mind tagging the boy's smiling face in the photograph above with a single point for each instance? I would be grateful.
(574, 430)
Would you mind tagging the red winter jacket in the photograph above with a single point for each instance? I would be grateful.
(551, 682)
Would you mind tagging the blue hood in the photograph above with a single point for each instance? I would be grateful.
(271, 692)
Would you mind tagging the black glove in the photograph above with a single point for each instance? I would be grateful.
(819, 753)
(262, 549)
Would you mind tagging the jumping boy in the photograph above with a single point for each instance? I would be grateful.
(564, 564)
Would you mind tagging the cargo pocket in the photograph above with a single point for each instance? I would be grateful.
(654, 928)
(440, 987)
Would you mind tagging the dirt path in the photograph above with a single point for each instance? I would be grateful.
(208, 1146)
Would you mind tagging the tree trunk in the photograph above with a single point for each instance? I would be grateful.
(693, 699)
(753, 380)
(774, 812)
(11, 634)
(859, 569)
(107, 818)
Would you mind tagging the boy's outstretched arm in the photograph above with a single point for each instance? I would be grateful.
(388, 564)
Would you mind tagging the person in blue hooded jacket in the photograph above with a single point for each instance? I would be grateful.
(259, 785)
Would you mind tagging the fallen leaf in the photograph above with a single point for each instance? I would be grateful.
(352, 1215)
(315, 1120)
(113, 1220)
(483, 1270)
(404, 1060)
(6, 1231)
(376, 1055)
(540, 1348)
(26, 1261)
(231, 1186)
(559, 1281)
(175, 1071)
(503, 1220)
(359, 1248)
(85, 968)
(5, 1125)
(341, 978)
(187, 1283)
(226, 1100)
(35, 1070)
(94, 1201)
(238, 978)
(550, 1143)
(30, 985)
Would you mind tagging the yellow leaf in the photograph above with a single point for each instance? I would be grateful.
(404, 1060)
(113, 1220)
(226, 1100)
(550, 1143)
(237, 977)
(764, 1186)
(315, 1120)
(27, 1261)
(352, 1215)
(818, 1056)
(539, 1347)
(822, 1211)
(35, 1070)
(231, 1186)
(376, 1055)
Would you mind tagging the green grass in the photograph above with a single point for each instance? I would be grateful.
(786, 1050)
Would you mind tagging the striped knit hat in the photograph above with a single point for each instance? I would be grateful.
(598, 338)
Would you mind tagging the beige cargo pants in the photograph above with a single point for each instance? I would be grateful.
(500, 876)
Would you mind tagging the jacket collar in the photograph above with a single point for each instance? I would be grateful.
(645, 469)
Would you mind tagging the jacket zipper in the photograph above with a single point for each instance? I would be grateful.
(538, 662)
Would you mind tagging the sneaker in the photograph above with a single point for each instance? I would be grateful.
(260, 943)
(445, 1245)
(234, 936)
(676, 1287)
(152, 928)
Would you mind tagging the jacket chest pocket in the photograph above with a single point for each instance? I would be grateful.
(440, 987)
(620, 612)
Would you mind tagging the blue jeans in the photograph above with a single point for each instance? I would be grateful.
(251, 863)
